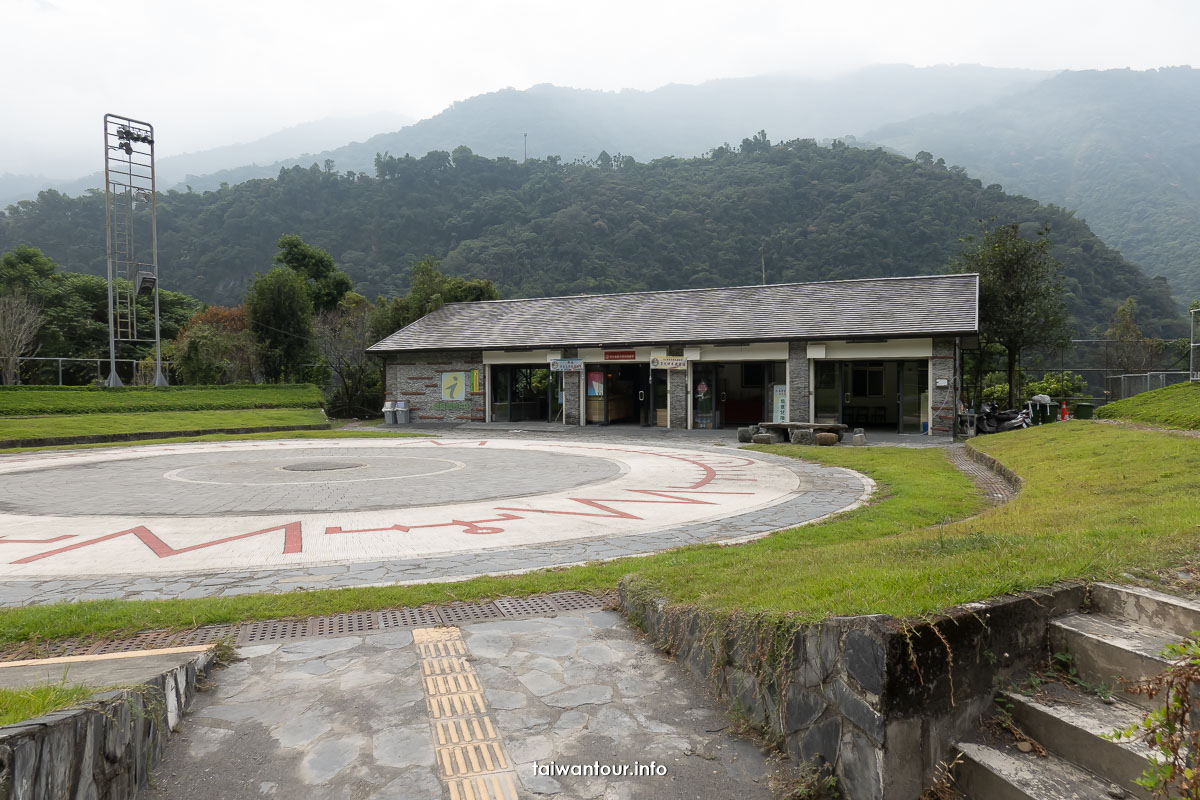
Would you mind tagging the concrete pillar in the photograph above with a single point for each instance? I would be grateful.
(798, 381)
(942, 366)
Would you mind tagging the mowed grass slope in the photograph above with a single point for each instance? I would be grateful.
(1099, 501)
(1175, 406)
(63, 412)
(34, 400)
(65, 425)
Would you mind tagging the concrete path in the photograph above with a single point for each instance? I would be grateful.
(233, 518)
(489, 710)
(101, 671)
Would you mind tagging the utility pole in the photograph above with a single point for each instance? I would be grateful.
(762, 252)
(526, 135)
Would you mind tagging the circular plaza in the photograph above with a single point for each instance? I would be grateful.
(396, 510)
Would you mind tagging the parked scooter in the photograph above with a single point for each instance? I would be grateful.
(993, 420)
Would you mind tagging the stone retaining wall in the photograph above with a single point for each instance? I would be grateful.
(104, 752)
(880, 700)
(1011, 478)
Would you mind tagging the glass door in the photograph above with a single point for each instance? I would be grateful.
(658, 397)
(704, 389)
(913, 398)
(827, 391)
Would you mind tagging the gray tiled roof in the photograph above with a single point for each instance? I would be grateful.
(893, 307)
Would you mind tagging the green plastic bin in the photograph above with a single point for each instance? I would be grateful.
(1084, 410)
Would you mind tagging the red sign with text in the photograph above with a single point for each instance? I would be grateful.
(620, 355)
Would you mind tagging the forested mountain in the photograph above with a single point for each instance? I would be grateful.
(1119, 147)
(308, 137)
(675, 120)
(545, 228)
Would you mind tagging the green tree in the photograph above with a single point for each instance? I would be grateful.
(214, 347)
(326, 283)
(25, 269)
(1132, 350)
(1020, 292)
(430, 291)
(279, 312)
(343, 336)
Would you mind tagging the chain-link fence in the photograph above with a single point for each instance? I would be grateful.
(1092, 370)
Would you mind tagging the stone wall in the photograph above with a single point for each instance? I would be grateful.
(798, 379)
(879, 700)
(104, 752)
(944, 402)
(416, 378)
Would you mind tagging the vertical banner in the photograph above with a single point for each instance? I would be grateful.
(779, 403)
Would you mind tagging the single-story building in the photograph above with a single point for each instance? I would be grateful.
(878, 353)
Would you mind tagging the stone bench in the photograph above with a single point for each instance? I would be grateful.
(796, 432)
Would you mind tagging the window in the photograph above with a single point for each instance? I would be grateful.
(867, 380)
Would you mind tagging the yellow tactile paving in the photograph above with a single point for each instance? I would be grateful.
(471, 759)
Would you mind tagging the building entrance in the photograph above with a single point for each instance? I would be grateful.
(626, 394)
(730, 394)
(523, 392)
(885, 395)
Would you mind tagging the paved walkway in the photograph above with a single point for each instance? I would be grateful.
(378, 511)
(486, 710)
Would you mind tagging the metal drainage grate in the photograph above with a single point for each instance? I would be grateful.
(147, 640)
(332, 625)
(343, 624)
(206, 635)
(410, 617)
(526, 606)
(273, 630)
(456, 613)
(577, 601)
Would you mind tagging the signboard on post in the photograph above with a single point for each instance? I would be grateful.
(779, 402)
(566, 365)
(668, 362)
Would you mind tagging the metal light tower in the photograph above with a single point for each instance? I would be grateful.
(128, 190)
(1194, 360)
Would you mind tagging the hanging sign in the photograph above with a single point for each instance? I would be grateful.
(620, 355)
(566, 365)
(668, 362)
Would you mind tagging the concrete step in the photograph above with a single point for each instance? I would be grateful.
(1072, 724)
(1147, 607)
(1003, 773)
(1105, 649)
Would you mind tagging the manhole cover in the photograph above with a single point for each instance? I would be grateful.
(320, 466)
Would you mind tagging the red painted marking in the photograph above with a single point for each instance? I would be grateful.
(292, 542)
(6, 540)
(476, 526)
(599, 503)
(709, 473)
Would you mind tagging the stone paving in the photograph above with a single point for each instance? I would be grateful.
(381, 716)
(794, 493)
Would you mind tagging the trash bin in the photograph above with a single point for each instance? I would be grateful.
(402, 412)
(389, 413)
(1084, 410)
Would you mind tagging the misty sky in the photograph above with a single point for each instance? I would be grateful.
(223, 71)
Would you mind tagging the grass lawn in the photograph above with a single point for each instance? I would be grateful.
(1175, 406)
(53, 425)
(1098, 501)
(17, 705)
(337, 433)
(33, 400)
